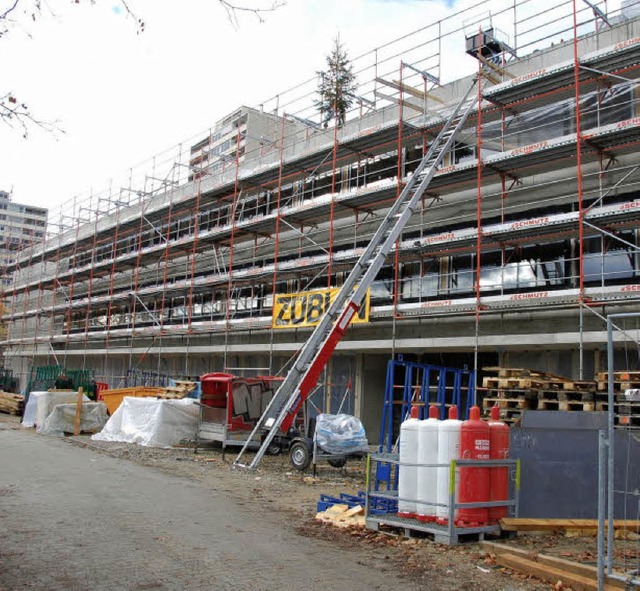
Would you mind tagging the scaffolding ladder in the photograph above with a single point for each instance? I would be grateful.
(281, 412)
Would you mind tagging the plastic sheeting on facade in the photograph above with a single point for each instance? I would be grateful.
(151, 422)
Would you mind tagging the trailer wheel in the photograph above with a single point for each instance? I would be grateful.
(338, 463)
(300, 455)
(275, 447)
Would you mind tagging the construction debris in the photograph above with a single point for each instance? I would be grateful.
(343, 516)
(12, 404)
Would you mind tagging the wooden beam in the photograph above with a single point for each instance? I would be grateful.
(526, 524)
(397, 85)
(418, 93)
(76, 419)
(495, 67)
(568, 567)
(399, 102)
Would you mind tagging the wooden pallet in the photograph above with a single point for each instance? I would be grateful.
(565, 405)
(522, 378)
(515, 403)
(513, 383)
(619, 376)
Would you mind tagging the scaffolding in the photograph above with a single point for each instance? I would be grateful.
(176, 268)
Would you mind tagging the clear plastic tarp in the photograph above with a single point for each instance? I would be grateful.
(340, 434)
(61, 419)
(40, 404)
(151, 422)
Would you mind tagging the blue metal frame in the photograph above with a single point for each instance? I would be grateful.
(415, 389)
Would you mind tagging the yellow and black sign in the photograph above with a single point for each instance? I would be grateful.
(294, 310)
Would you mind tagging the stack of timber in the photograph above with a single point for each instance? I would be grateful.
(626, 393)
(12, 404)
(343, 516)
(180, 390)
(516, 389)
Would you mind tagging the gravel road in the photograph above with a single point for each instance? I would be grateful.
(76, 519)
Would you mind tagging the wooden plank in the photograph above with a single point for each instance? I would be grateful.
(418, 93)
(399, 102)
(531, 524)
(397, 85)
(76, 419)
(495, 67)
(547, 573)
(571, 573)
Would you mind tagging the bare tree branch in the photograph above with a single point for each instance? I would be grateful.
(139, 21)
(9, 10)
(234, 9)
(17, 115)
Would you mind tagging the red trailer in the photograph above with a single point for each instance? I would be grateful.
(230, 406)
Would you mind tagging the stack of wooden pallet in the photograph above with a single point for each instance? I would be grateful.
(11, 403)
(180, 390)
(626, 389)
(516, 389)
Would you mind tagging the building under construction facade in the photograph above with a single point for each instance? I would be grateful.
(526, 238)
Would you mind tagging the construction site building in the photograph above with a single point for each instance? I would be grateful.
(526, 239)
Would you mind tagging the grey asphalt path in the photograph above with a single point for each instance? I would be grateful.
(73, 519)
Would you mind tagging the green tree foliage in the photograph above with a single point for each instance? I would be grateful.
(337, 86)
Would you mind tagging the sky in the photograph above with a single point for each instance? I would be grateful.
(120, 97)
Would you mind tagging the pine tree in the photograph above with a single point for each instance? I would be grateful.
(337, 86)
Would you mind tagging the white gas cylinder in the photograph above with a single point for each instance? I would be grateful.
(448, 449)
(428, 477)
(407, 471)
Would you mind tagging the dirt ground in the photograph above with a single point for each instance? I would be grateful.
(276, 488)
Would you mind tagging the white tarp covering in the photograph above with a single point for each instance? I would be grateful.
(151, 422)
(40, 404)
(61, 420)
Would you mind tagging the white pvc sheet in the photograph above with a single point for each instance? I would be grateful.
(40, 404)
(29, 417)
(151, 422)
(61, 420)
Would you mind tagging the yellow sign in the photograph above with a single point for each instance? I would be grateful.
(294, 310)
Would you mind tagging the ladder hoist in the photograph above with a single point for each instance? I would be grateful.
(280, 414)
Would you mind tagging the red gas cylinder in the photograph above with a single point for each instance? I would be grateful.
(499, 443)
(474, 483)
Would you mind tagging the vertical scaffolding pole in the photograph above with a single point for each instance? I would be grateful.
(396, 256)
(478, 212)
(234, 207)
(114, 258)
(276, 246)
(576, 73)
(136, 275)
(90, 289)
(194, 251)
(334, 162)
(71, 286)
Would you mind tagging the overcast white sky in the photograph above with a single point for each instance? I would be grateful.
(122, 97)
